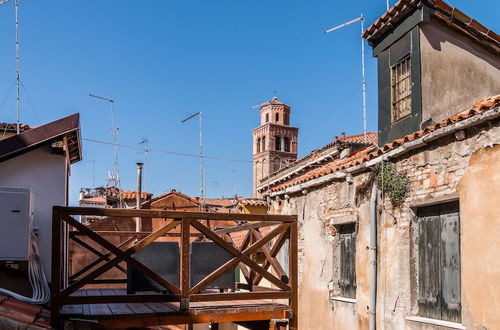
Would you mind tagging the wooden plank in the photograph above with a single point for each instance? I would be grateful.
(274, 252)
(130, 233)
(229, 296)
(293, 268)
(184, 265)
(109, 299)
(183, 318)
(68, 210)
(243, 257)
(272, 259)
(118, 308)
(161, 308)
(56, 268)
(246, 227)
(140, 308)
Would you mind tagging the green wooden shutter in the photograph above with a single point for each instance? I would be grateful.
(429, 276)
(347, 281)
(450, 262)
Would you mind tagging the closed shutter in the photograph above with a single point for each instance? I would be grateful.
(439, 262)
(450, 262)
(347, 280)
(429, 277)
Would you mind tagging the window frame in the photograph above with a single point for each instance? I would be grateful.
(277, 143)
(394, 84)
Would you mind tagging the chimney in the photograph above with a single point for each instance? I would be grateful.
(336, 139)
(342, 135)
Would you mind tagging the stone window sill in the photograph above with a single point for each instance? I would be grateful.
(446, 324)
(347, 300)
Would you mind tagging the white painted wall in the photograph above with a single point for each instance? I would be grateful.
(44, 174)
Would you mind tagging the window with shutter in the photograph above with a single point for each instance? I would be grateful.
(347, 279)
(439, 262)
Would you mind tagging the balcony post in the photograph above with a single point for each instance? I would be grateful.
(185, 241)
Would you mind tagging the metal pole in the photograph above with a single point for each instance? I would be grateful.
(138, 223)
(387, 4)
(17, 68)
(363, 79)
(202, 168)
(117, 163)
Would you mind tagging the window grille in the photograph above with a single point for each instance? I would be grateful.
(401, 89)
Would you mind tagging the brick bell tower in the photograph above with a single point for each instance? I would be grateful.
(274, 141)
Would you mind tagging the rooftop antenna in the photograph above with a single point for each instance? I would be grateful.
(145, 143)
(115, 177)
(363, 81)
(387, 4)
(202, 162)
(16, 2)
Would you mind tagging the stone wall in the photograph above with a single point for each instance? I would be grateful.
(463, 166)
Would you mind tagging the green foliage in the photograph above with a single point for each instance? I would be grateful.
(393, 183)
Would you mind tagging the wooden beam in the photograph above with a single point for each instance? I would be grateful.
(293, 268)
(274, 252)
(228, 296)
(184, 266)
(56, 268)
(243, 257)
(173, 214)
(246, 227)
(117, 299)
(271, 259)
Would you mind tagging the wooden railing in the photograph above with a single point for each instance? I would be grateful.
(268, 243)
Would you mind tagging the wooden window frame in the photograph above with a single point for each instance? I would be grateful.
(398, 81)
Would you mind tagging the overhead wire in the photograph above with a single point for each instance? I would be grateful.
(167, 152)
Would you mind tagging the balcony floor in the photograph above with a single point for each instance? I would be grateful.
(120, 315)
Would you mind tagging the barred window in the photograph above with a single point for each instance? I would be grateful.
(401, 89)
(347, 279)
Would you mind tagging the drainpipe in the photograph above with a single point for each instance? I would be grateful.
(373, 257)
(138, 221)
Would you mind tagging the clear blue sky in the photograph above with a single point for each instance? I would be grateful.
(163, 60)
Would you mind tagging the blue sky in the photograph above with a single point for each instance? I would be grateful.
(163, 60)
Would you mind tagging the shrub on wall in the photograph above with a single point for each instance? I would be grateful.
(393, 183)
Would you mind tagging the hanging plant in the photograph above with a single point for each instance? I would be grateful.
(393, 183)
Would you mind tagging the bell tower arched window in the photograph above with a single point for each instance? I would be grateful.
(258, 145)
(277, 117)
(287, 144)
(277, 143)
(263, 144)
(267, 117)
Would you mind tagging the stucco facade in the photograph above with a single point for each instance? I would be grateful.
(462, 166)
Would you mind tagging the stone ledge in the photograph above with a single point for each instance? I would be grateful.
(441, 323)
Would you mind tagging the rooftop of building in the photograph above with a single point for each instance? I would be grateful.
(475, 114)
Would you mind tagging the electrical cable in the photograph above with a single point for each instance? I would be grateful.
(167, 152)
(37, 278)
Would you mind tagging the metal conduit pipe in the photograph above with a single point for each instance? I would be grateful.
(373, 257)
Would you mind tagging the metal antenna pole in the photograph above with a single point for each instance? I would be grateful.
(363, 82)
(17, 67)
(387, 4)
(202, 163)
(363, 75)
(115, 145)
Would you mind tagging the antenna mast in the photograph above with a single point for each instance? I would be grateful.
(202, 162)
(363, 81)
(116, 177)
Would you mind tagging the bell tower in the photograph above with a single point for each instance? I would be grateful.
(274, 141)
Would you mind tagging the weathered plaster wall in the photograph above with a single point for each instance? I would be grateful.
(436, 173)
(479, 210)
(456, 72)
(45, 174)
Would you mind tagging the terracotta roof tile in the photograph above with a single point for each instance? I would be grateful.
(362, 155)
(132, 195)
(453, 15)
(12, 127)
(23, 312)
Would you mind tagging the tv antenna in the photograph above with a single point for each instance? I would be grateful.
(202, 162)
(363, 81)
(18, 79)
(145, 143)
(113, 178)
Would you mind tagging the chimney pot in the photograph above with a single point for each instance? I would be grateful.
(343, 134)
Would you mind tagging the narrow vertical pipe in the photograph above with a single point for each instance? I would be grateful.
(373, 257)
(138, 222)
(363, 76)
(202, 166)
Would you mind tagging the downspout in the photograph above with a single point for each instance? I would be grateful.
(373, 257)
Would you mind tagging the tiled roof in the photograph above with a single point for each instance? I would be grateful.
(253, 201)
(274, 101)
(23, 314)
(360, 156)
(132, 195)
(12, 127)
(220, 202)
(402, 8)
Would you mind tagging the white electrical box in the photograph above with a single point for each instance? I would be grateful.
(16, 220)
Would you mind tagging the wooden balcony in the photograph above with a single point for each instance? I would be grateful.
(86, 296)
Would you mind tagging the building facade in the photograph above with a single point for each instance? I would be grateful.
(402, 234)
(274, 141)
